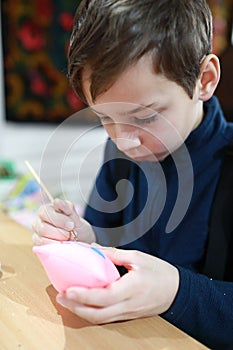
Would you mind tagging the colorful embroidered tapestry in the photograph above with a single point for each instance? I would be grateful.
(35, 39)
(223, 17)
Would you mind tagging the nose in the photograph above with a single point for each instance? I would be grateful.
(127, 140)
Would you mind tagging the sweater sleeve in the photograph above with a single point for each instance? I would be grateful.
(203, 309)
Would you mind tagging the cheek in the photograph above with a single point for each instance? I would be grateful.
(110, 129)
(165, 136)
(154, 145)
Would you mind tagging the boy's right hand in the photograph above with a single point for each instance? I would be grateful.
(56, 221)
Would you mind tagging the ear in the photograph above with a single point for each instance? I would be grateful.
(209, 77)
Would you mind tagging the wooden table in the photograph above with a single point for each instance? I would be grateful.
(31, 319)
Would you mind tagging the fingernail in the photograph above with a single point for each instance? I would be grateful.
(69, 225)
(60, 300)
(71, 294)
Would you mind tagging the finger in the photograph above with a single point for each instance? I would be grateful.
(63, 206)
(116, 292)
(48, 215)
(95, 315)
(38, 240)
(67, 208)
(36, 225)
(128, 258)
(43, 229)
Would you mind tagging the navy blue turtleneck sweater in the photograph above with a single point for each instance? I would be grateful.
(167, 215)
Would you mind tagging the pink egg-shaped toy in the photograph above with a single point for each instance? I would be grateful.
(69, 264)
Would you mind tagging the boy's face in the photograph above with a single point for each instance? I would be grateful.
(145, 114)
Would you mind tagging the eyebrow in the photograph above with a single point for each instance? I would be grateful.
(133, 111)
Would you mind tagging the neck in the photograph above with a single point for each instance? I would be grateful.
(200, 115)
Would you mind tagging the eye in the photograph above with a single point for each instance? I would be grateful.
(148, 120)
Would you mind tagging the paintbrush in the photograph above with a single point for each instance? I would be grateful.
(48, 194)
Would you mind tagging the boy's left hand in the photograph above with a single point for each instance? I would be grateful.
(148, 289)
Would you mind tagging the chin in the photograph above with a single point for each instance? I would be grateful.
(147, 157)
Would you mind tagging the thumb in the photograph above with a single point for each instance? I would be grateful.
(66, 207)
(120, 257)
(63, 206)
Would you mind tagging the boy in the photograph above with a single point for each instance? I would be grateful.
(146, 69)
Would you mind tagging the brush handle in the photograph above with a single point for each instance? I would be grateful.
(42, 185)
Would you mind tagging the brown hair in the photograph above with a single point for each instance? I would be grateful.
(110, 35)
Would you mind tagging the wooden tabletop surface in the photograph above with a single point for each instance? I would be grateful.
(31, 319)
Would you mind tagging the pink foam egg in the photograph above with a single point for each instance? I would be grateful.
(69, 264)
